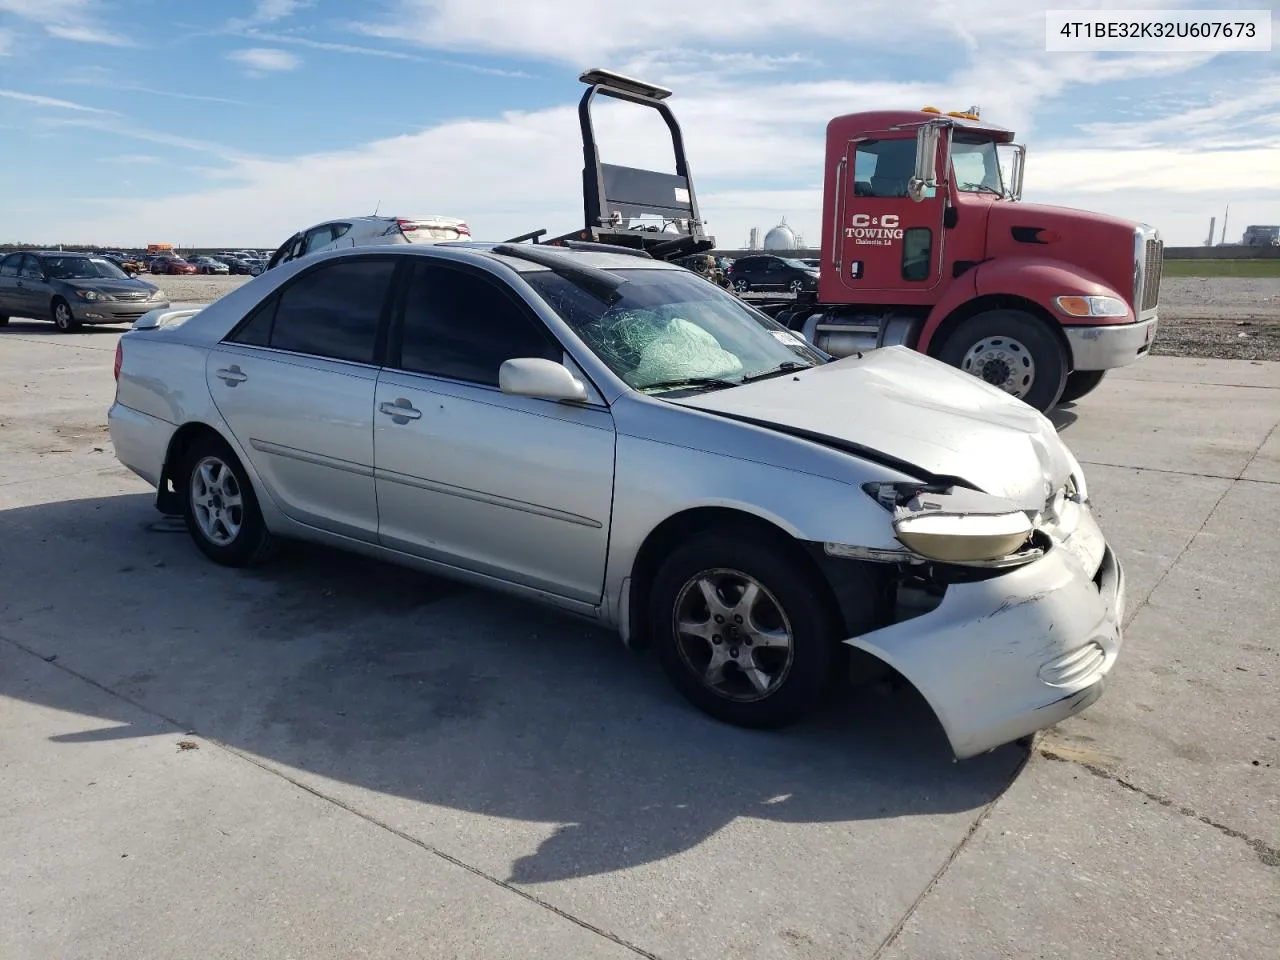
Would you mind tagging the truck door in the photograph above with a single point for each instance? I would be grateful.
(888, 242)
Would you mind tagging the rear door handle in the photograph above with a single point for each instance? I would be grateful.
(232, 375)
(402, 411)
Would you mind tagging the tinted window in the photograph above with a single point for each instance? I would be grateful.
(9, 265)
(917, 250)
(31, 268)
(256, 330)
(334, 311)
(881, 168)
(462, 326)
(318, 238)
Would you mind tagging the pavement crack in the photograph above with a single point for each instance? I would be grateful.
(1268, 854)
(1265, 440)
(190, 730)
(960, 847)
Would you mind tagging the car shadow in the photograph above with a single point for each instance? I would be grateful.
(28, 326)
(378, 678)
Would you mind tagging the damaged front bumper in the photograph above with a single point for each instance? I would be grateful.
(1003, 657)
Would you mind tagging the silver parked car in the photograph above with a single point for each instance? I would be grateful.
(618, 438)
(72, 289)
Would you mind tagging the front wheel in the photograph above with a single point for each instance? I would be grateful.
(219, 505)
(742, 286)
(742, 632)
(63, 318)
(1012, 350)
(1081, 383)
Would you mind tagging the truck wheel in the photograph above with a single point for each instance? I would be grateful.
(1080, 383)
(1012, 350)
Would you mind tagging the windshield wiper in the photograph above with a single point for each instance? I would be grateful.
(786, 366)
(983, 188)
(679, 382)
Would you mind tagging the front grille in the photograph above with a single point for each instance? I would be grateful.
(132, 296)
(1151, 274)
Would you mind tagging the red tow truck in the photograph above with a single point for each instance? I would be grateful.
(925, 244)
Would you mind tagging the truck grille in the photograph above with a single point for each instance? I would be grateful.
(1151, 274)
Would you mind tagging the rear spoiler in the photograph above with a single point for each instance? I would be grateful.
(170, 316)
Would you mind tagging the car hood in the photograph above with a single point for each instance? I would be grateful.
(111, 286)
(913, 413)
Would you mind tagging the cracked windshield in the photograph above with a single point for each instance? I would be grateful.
(668, 332)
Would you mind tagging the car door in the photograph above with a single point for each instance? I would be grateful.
(9, 302)
(776, 275)
(512, 487)
(35, 293)
(295, 383)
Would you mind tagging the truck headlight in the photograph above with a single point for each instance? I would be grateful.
(1092, 306)
(963, 538)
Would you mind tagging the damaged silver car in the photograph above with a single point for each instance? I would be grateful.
(620, 439)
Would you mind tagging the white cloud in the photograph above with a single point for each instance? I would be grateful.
(42, 101)
(754, 132)
(270, 11)
(133, 158)
(364, 51)
(261, 60)
(66, 19)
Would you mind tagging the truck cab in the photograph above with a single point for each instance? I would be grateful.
(926, 244)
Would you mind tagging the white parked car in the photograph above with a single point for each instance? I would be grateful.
(615, 437)
(368, 231)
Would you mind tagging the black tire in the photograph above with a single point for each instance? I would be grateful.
(1081, 383)
(801, 675)
(796, 286)
(252, 541)
(61, 315)
(1032, 354)
(742, 286)
(4, 321)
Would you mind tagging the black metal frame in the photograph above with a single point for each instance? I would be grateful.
(613, 194)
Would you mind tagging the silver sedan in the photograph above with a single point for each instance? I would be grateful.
(620, 439)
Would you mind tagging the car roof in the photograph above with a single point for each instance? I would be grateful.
(600, 259)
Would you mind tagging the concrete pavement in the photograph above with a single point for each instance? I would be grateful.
(390, 765)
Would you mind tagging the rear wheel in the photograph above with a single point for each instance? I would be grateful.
(742, 286)
(219, 505)
(63, 318)
(796, 286)
(1080, 383)
(741, 630)
(1012, 350)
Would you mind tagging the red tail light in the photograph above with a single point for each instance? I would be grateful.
(408, 226)
(119, 359)
(464, 230)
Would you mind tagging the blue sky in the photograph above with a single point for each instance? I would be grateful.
(237, 122)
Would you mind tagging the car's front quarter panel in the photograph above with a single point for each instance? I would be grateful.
(671, 460)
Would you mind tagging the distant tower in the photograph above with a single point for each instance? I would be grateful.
(780, 237)
(1212, 221)
(754, 242)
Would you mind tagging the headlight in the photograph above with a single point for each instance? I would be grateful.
(157, 293)
(963, 538)
(951, 524)
(1092, 306)
(91, 295)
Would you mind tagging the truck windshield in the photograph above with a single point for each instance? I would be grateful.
(976, 163)
(672, 330)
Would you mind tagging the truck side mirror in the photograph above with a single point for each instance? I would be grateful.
(925, 181)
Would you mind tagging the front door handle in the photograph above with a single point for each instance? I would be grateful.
(232, 375)
(402, 411)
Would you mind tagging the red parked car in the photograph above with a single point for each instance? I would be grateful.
(173, 265)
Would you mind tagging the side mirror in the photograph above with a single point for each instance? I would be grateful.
(544, 379)
(925, 181)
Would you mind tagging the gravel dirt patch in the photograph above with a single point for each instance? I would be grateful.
(1226, 318)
